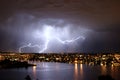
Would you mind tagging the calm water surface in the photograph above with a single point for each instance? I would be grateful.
(60, 71)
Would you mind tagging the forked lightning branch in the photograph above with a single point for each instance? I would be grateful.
(51, 33)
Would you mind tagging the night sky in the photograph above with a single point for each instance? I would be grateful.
(23, 22)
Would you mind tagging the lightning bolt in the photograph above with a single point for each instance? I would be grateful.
(28, 45)
(47, 32)
(47, 42)
(45, 47)
(68, 41)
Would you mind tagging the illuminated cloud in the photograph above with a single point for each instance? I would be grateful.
(23, 22)
(52, 34)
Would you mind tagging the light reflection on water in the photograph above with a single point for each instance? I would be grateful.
(81, 70)
(34, 71)
(104, 70)
(60, 71)
(76, 71)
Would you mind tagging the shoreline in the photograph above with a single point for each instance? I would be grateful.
(14, 64)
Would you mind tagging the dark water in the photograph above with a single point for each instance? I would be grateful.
(60, 71)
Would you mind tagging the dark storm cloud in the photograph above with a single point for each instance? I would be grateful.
(83, 11)
(100, 16)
